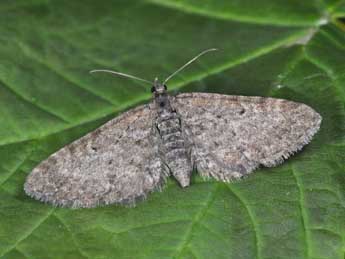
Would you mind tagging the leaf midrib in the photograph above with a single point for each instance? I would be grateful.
(234, 17)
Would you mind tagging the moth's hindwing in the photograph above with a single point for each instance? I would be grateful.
(233, 135)
(116, 163)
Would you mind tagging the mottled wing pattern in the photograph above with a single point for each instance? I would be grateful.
(233, 135)
(116, 163)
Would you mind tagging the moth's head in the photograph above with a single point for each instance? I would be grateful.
(158, 88)
(159, 92)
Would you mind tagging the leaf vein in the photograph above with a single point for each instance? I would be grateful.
(197, 218)
(303, 211)
(72, 236)
(142, 227)
(26, 50)
(251, 217)
(24, 99)
(247, 19)
(31, 230)
(16, 169)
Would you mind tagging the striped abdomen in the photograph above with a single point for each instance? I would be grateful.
(175, 152)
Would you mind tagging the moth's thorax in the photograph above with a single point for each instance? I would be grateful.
(162, 103)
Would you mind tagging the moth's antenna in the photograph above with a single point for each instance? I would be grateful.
(187, 64)
(121, 74)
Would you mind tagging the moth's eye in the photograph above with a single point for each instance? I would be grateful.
(153, 89)
(165, 87)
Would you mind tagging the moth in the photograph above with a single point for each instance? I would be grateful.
(224, 137)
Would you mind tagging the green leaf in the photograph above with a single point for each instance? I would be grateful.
(290, 49)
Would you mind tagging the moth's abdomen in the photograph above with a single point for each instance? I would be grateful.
(174, 148)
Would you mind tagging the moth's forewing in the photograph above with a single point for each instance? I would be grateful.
(233, 135)
(116, 163)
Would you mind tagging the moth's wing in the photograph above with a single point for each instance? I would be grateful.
(116, 163)
(233, 135)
